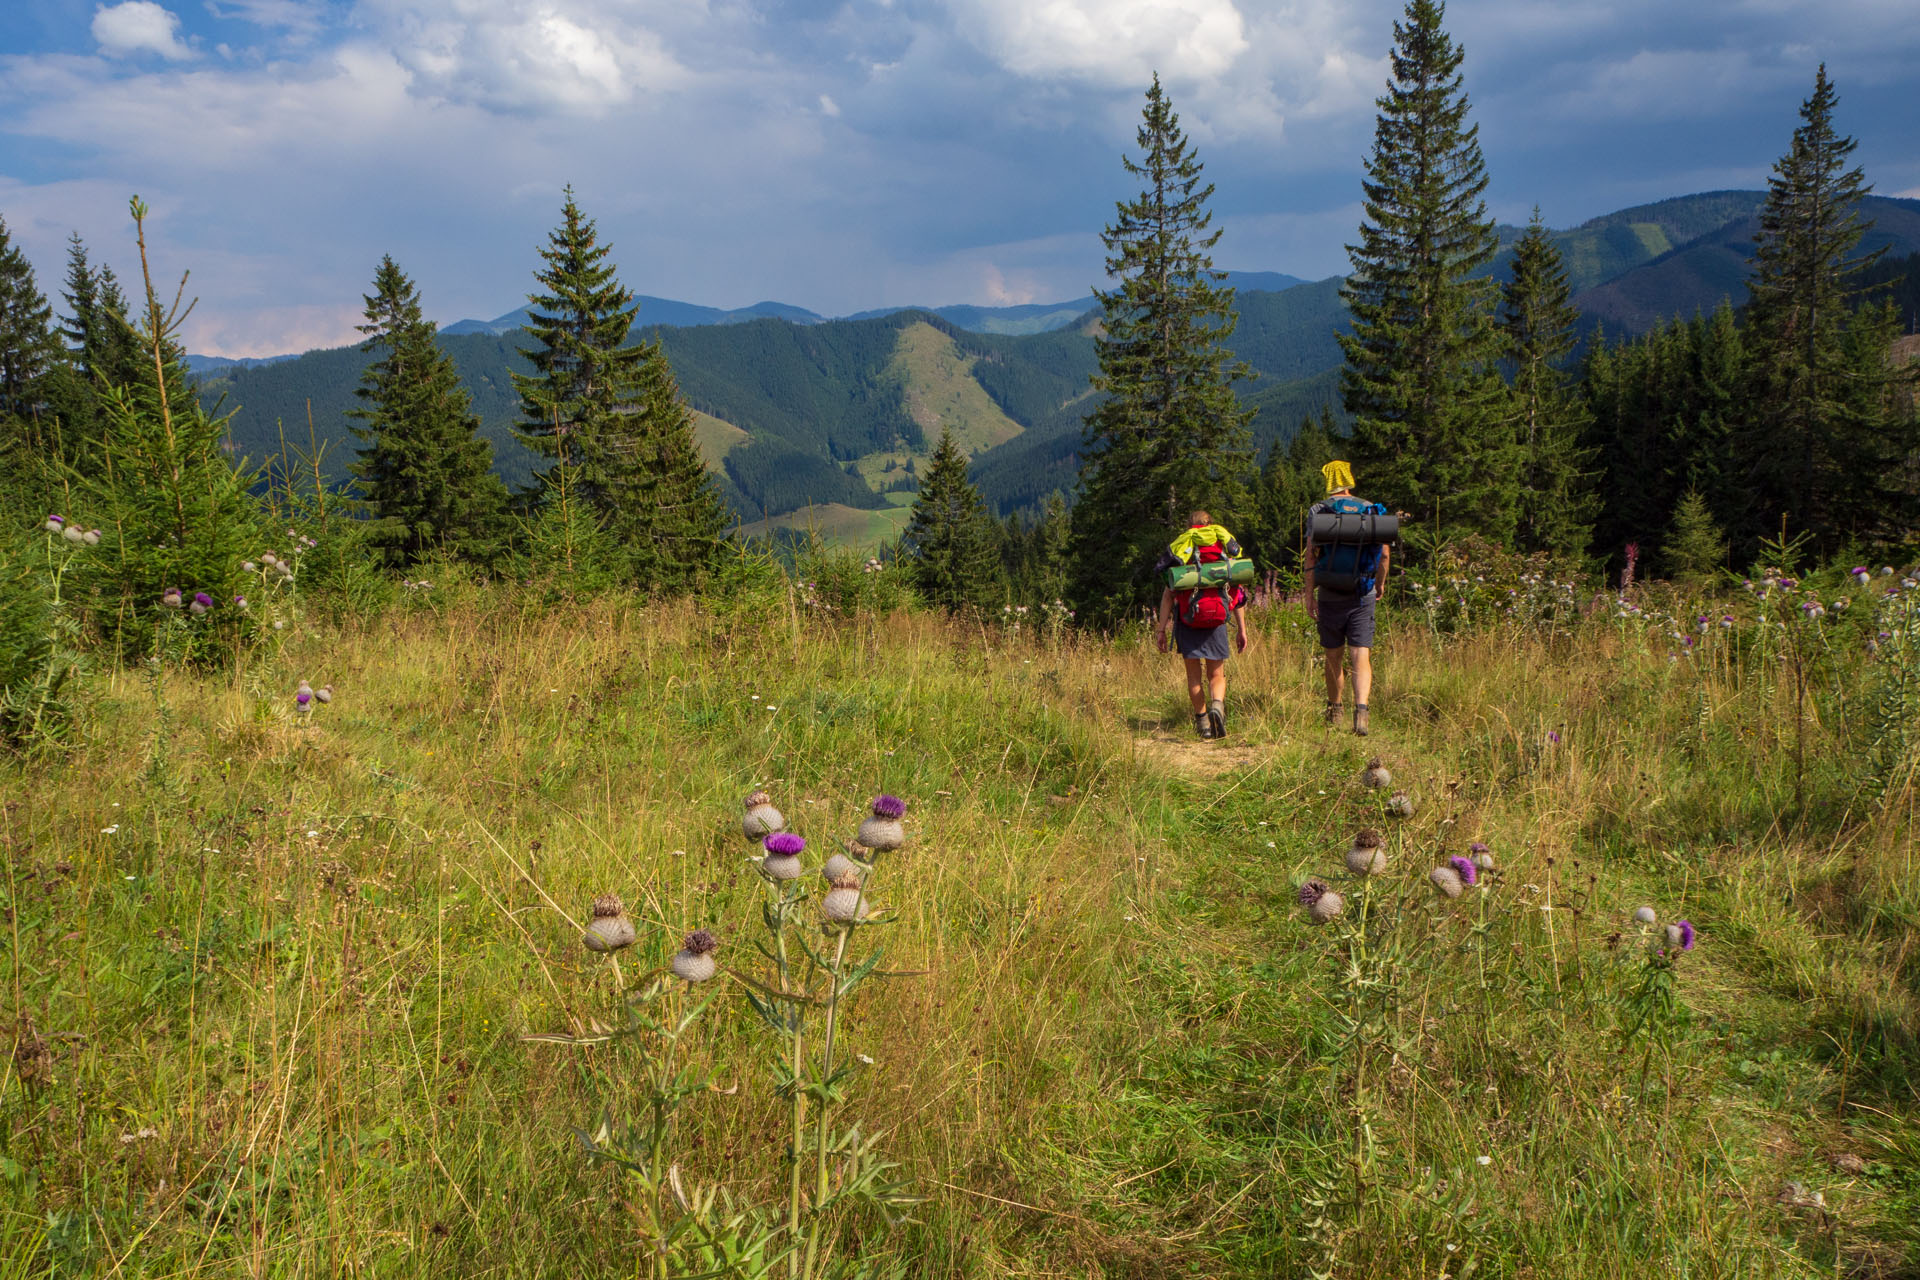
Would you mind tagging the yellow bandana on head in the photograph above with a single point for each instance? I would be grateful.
(1339, 476)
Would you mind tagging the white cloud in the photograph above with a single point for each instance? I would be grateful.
(586, 56)
(828, 107)
(139, 25)
(1109, 42)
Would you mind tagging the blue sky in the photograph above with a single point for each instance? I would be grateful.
(841, 154)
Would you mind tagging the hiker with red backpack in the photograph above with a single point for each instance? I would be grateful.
(1347, 557)
(1203, 569)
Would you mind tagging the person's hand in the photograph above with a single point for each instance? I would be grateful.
(1243, 639)
(1313, 606)
(1160, 637)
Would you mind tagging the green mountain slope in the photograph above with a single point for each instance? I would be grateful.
(1697, 275)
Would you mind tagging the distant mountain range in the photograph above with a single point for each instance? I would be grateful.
(811, 420)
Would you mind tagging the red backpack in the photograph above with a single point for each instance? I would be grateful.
(1204, 608)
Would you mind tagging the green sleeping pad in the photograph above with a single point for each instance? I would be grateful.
(1184, 577)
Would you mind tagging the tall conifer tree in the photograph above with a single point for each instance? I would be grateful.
(27, 346)
(1549, 421)
(950, 538)
(426, 471)
(1170, 434)
(1822, 453)
(614, 411)
(1420, 375)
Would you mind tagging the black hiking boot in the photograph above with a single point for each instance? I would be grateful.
(1217, 719)
(1360, 718)
(1203, 724)
(1332, 714)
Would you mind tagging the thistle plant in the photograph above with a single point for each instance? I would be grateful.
(39, 639)
(802, 1001)
(1652, 1011)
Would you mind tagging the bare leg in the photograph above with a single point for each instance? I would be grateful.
(1216, 679)
(1336, 674)
(1196, 685)
(1362, 675)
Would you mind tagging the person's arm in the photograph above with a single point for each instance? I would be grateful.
(1240, 625)
(1386, 562)
(1163, 624)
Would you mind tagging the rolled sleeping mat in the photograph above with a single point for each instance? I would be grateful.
(1351, 527)
(1184, 577)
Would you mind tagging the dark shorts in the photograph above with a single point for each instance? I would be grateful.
(1202, 642)
(1346, 621)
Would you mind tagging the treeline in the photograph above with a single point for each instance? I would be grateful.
(1464, 403)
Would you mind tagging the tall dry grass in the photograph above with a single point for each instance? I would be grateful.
(268, 981)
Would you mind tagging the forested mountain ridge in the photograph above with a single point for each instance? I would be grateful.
(840, 412)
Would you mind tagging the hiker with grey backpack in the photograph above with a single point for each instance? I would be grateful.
(1347, 557)
(1205, 577)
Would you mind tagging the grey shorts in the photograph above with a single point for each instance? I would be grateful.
(1202, 642)
(1346, 621)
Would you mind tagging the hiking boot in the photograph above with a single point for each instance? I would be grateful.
(1203, 724)
(1217, 719)
(1360, 718)
(1332, 714)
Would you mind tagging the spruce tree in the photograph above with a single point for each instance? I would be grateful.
(425, 471)
(1549, 420)
(1822, 453)
(173, 508)
(1420, 377)
(613, 412)
(1170, 434)
(950, 538)
(1694, 551)
(27, 346)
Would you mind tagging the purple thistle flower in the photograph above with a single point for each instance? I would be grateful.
(701, 942)
(303, 697)
(1685, 929)
(1311, 892)
(54, 523)
(1468, 872)
(202, 599)
(1553, 736)
(784, 843)
(171, 598)
(889, 807)
(1478, 846)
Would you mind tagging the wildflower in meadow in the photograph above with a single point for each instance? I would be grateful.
(1680, 935)
(883, 831)
(694, 961)
(248, 566)
(201, 603)
(1400, 805)
(56, 523)
(303, 701)
(1860, 574)
(1464, 868)
(1482, 856)
(839, 865)
(609, 930)
(324, 693)
(1322, 903)
(761, 819)
(1368, 856)
(1447, 881)
(844, 903)
(240, 602)
(1841, 605)
(91, 537)
(74, 533)
(1375, 775)
(171, 598)
(1646, 915)
(782, 860)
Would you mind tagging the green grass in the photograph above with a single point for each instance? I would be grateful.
(267, 982)
(839, 525)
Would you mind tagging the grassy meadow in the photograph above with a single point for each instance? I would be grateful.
(270, 982)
